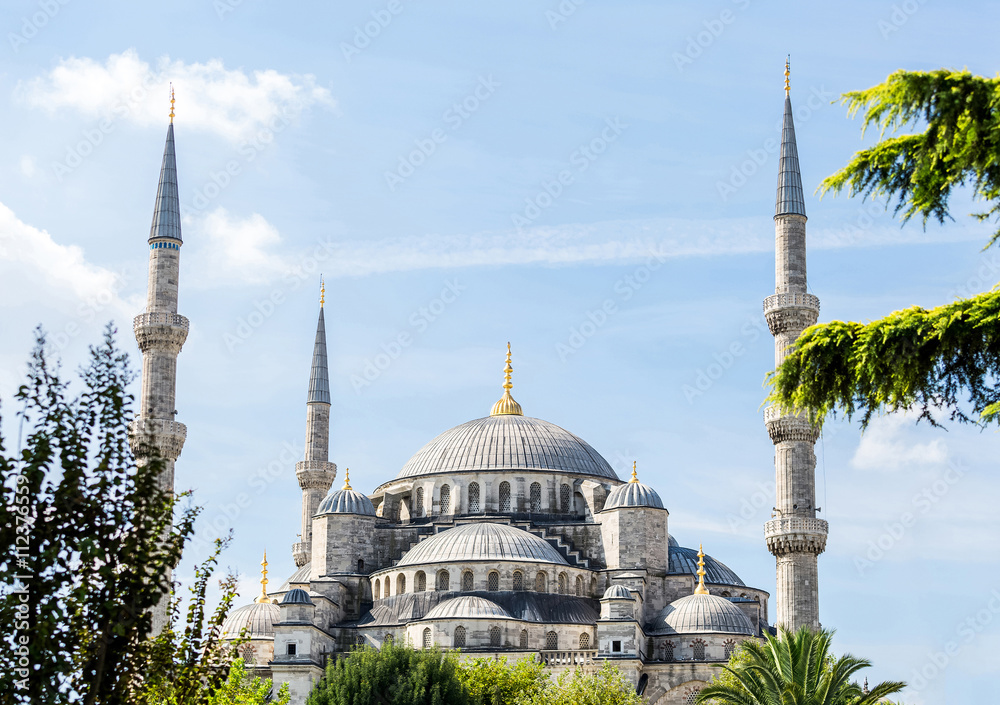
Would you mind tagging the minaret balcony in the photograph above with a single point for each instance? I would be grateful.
(790, 312)
(315, 474)
(167, 437)
(300, 553)
(789, 426)
(160, 330)
(796, 535)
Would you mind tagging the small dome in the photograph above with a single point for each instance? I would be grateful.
(467, 607)
(672, 542)
(482, 542)
(296, 596)
(617, 592)
(684, 561)
(257, 618)
(633, 494)
(700, 614)
(346, 501)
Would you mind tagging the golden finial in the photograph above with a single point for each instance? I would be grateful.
(507, 406)
(347, 479)
(788, 60)
(263, 599)
(322, 291)
(701, 589)
(171, 103)
(635, 476)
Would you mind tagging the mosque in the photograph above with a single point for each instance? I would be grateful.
(506, 536)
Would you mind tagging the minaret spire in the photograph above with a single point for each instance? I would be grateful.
(160, 333)
(315, 473)
(794, 535)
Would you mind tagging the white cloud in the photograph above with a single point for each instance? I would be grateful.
(229, 102)
(235, 250)
(888, 445)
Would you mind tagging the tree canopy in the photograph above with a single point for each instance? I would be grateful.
(944, 359)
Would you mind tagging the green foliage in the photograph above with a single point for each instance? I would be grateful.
(916, 358)
(608, 686)
(240, 689)
(959, 146)
(496, 682)
(793, 668)
(89, 538)
(394, 675)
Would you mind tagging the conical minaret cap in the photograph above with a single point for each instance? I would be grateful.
(790, 198)
(319, 376)
(167, 210)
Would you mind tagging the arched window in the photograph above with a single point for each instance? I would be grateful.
(725, 593)
(419, 504)
(427, 637)
(518, 580)
(698, 649)
(593, 587)
(505, 496)
(562, 584)
(668, 651)
(730, 645)
(459, 636)
(444, 580)
(419, 581)
(387, 638)
(540, 582)
(564, 497)
(523, 642)
(474, 506)
(360, 639)
(535, 497)
(692, 696)
(400, 584)
(551, 641)
(468, 582)
(446, 499)
(579, 586)
(385, 585)
(585, 641)
(493, 581)
(378, 589)
(494, 636)
(361, 565)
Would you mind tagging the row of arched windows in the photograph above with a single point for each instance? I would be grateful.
(697, 649)
(383, 587)
(460, 636)
(505, 503)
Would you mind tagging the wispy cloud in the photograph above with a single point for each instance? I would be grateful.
(232, 103)
(890, 444)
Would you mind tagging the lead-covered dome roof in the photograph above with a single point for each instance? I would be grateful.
(482, 542)
(633, 494)
(507, 442)
(346, 501)
(257, 618)
(702, 614)
(467, 607)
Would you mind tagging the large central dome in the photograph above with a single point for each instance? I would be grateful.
(507, 442)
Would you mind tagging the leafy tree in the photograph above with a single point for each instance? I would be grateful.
(240, 689)
(393, 675)
(608, 686)
(497, 682)
(90, 539)
(930, 360)
(793, 668)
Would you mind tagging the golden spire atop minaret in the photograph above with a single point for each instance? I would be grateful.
(347, 479)
(507, 406)
(788, 72)
(171, 103)
(701, 589)
(635, 476)
(322, 291)
(263, 599)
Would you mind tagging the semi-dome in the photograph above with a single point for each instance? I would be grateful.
(467, 607)
(633, 494)
(701, 614)
(507, 442)
(257, 618)
(296, 596)
(346, 501)
(617, 592)
(684, 561)
(482, 542)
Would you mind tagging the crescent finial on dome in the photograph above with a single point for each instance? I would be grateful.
(347, 479)
(263, 599)
(701, 589)
(507, 406)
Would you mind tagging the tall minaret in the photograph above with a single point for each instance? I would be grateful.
(160, 333)
(794, 535)
(316, 474)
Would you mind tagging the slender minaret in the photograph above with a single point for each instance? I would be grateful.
(160, 333)
(316, 474)
(794, 535)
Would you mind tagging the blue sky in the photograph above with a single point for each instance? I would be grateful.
(592, 181)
